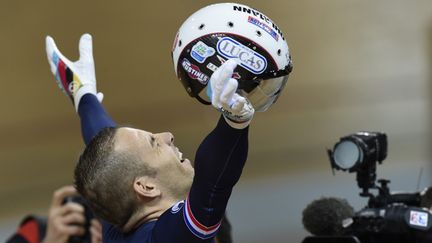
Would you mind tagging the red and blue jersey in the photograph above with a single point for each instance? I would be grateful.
(172, 226)
(219, 162)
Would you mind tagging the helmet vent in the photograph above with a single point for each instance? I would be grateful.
(279, 52)
(201, 26)
(230, 24)
(180, 43)
(258, 33)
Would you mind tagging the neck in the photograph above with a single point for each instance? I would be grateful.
(147, 213)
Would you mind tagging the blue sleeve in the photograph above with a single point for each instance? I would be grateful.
(93, 117)
(219, 163)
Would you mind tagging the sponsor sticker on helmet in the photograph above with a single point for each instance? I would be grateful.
(200, 52)
(249, 59)
(212, 67)
(257, 14)
(194, 71)
(263, 26)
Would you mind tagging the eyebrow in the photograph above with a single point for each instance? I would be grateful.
(151, 139)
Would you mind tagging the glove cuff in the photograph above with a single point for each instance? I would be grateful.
(83, 90)
(236, 124)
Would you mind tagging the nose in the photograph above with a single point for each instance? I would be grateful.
(167, 137)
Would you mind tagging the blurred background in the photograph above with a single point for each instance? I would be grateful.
(358, 65)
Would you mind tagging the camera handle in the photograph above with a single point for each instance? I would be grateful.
(385, 198)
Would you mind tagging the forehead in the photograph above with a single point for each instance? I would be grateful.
(127, 137)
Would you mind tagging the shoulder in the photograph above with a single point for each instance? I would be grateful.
(141, 234)
(31, 229)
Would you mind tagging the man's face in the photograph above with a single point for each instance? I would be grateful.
(158, 152)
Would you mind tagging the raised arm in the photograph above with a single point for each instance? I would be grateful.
(219, 162)
(221, 156)
(78, 81)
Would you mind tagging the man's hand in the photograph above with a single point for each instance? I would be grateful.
(78, 78)
(64, 220)
(237, 110)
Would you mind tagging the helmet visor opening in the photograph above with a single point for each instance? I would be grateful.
(261, 97)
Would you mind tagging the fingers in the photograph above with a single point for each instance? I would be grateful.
(74, 218)
(215, 86)
(86, 48)
(72, 229)
(51, 47)
(71, 207)
(64, 223)
(61, 193)
(61, 233)
(54, 55)
(228, 92)
(96, 225)
(64, 220)
(238, 103)
(220, 78)
(227, 70)
(96, 231)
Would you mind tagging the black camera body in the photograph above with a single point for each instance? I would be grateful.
(88, 214)
(388, 217)
(392, 223)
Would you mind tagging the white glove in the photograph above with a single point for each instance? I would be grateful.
(78, 78)
(237, 110)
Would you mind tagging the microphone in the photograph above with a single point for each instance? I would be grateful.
(324, 216)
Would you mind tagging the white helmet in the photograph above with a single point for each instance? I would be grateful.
(223, 31)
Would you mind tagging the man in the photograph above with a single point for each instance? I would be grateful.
(138, 182)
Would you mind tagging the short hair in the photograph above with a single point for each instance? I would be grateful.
(105, 177)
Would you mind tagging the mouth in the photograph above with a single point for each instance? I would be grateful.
(180, 156)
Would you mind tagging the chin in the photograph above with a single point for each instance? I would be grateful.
(187, 186)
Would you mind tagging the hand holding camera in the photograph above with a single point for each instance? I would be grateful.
(69, 220)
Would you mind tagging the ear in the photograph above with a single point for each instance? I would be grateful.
(145, 187)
